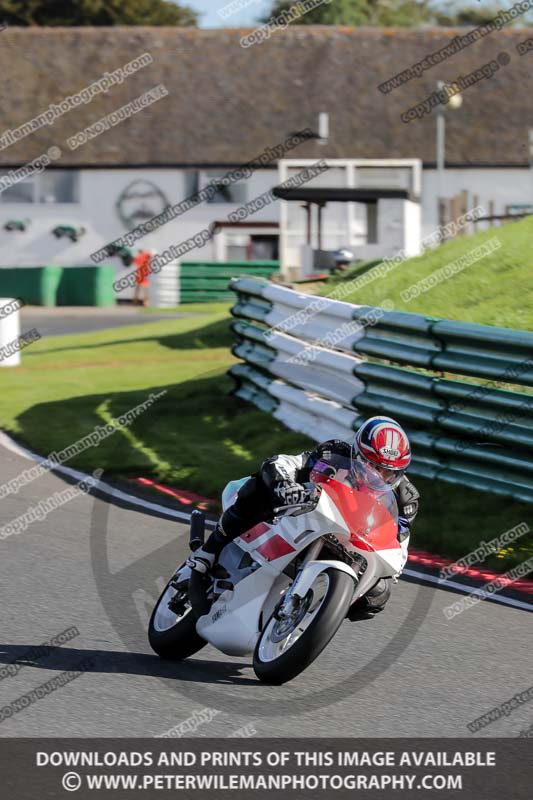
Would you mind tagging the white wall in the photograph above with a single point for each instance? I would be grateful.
(99, 191)
(503, 186)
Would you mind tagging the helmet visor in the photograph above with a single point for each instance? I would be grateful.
(374, 476)
(389, 476)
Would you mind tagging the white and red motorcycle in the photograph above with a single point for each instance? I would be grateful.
(282, 589)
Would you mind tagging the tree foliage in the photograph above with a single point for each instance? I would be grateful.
(95, 12)
(358, 12)
(393, 13)
(468, 15)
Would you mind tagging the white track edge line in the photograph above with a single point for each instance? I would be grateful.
(509, 601)
(106, 488)
(101, 486)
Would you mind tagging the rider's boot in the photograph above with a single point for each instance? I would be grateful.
(372, 602)
(203, 559)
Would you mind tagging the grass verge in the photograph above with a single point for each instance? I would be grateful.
(196, 436)
(495, 290)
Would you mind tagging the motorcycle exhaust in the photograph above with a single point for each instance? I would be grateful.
(197, 532)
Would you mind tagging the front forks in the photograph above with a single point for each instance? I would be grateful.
(292, 599)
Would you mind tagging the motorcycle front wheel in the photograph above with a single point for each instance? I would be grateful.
(289, 645)
(172, 631)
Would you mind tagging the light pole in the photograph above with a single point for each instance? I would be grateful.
(454, 102)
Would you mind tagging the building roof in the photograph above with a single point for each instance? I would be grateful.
(227, 103)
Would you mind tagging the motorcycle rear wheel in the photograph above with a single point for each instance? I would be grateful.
(283, 653)
(172, 636)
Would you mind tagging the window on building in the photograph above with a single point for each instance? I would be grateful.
(227, 191)
(57, 186)
(192, 182)
(237, 245)
(50, 186)
(264, 248)
(21, 192)
(384, 178)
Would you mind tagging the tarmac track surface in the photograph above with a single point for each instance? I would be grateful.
(99, 567)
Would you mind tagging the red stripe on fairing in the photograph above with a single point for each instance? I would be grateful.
(356, 509)
(275, 547)
(255, 532)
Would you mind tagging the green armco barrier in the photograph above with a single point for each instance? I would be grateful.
(499, 415)
(251, 308)
(55, 286)
(254, 332)
(34, 285)
(435, 456)
(258, 267)
(399, 320)
(464, 348)
(203, 297)
(252, 346)
(250, 303)
(482, 351)
(204, 281)
(86, 286)
(469, 433)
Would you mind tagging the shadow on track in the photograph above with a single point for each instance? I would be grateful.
(115, 661)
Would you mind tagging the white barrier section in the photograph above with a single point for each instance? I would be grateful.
(9, 330)
(327, 372)
(308, 317)
(317, 417)
(164, 286)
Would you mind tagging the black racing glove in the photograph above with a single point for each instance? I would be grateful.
(289, 493)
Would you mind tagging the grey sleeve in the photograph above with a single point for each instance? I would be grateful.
(282, 468)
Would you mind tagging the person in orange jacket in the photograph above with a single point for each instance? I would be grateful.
(142, 263)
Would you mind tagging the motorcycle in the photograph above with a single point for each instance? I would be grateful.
(282, 589)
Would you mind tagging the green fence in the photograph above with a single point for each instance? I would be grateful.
(59, 286)
(203, 281)
(476, 433)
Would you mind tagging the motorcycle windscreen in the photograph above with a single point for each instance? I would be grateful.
(231, 490)
(368, 506)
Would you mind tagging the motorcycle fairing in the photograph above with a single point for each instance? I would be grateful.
(235, 618)
(229, 494)
(371, 524)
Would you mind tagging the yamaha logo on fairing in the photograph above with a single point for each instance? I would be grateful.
(219, 613)
(389, 452)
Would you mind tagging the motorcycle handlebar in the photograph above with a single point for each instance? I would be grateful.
(280, 509)
(308, 506)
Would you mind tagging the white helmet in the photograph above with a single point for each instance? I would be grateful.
(343, 256)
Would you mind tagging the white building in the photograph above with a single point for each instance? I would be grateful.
(223, 106)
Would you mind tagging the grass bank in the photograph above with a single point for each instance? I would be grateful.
(196, 436)
(495, 290)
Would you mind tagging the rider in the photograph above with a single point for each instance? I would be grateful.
(342, 259)
(380, 443)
